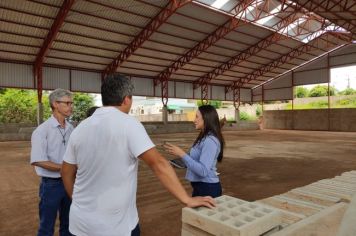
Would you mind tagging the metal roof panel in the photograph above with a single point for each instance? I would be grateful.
(11, 38)
(101, 34)
(163, 47)
(134, 13)
(16, 57)
(78, 57)
(191, 23)
(90, 42)
(22, 30)
(182, 32)
(203, 14)
(131, 71)
(84, 49)
(73, 64)
(147, 59)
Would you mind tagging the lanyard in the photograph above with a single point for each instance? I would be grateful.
(63, 135)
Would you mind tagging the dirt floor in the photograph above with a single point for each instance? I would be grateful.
(257, 164)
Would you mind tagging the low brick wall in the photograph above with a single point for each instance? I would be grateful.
(16, 132)
(343, 119)
(22, 132)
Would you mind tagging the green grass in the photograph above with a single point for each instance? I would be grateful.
(345, 103)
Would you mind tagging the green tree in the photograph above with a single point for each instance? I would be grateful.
(258, 110)
(348, 91)
(82, 102)
(321, 91)
(302, 92)
(245, 116)
(2, 90)
(20, 106)
(215, 103)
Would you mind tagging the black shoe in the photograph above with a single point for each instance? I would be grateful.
(178, 163)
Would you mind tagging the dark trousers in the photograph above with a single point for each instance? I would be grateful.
(53, 200)
(136, 231)
(206, 189)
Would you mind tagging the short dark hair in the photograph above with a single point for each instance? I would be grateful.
(115, 88)
(91, 110)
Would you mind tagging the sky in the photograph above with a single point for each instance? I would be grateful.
(339, 79)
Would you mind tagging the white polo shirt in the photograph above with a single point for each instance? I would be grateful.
(105, 148)
(48, 143)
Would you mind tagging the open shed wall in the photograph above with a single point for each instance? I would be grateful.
(14, 75)
(281, 88)
(314, 72)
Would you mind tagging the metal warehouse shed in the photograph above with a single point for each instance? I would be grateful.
(241, 51)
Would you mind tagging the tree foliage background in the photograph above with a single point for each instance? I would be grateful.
(301, 92)
(321, 91)
(214, 103)
(82, 103)
(20, 106)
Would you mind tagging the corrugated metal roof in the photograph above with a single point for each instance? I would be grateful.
(95, 32)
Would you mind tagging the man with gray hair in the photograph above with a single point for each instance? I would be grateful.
(101, 162)
(48, 145)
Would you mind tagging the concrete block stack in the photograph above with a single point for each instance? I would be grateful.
(231, 217)
(315, 209)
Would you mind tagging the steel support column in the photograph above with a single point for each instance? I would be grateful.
(47, 43)
(205, 93)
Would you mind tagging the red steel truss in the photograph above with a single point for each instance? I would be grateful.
(334, 10)
(298, 30)
(161, 18)
(51, 36)
(322, 41)
(247, 9)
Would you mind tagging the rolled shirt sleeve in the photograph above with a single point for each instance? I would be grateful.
(38, 146)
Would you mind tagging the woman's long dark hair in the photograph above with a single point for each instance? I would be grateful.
(211, 127)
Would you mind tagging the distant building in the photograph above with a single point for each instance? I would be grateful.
(155, 106)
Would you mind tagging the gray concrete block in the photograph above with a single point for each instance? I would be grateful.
(300, 202)
(324, 223)
(322, 197)
(233, 216)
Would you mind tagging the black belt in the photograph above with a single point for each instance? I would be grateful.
(51, 178)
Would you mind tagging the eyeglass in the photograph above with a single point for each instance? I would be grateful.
(65, 102)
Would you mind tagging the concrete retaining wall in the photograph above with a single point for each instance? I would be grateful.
(16, 132)
(171, 127)
(318, 119)
(242, 125)
(22, 132)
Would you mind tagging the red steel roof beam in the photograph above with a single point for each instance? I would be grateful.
(52, 34)
(156, 22)
(47, 43)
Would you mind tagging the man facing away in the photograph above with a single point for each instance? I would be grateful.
(100, 167)
(48, 144)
